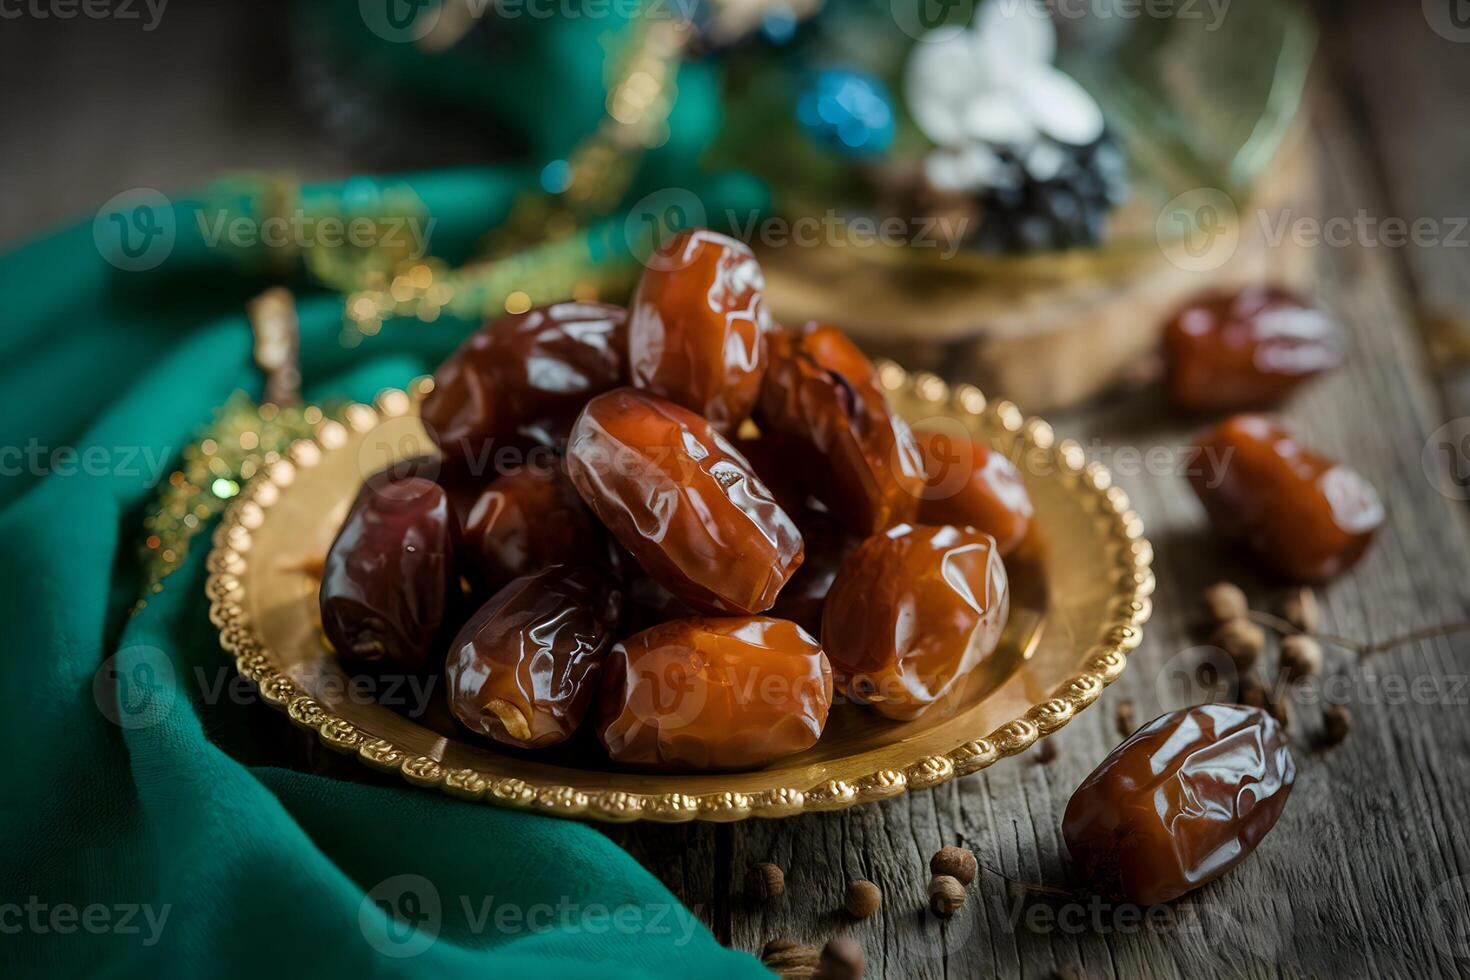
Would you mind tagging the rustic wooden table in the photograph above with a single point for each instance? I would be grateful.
(1368, 872)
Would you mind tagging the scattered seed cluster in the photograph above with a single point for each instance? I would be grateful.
(952, 870)
(1301, 657)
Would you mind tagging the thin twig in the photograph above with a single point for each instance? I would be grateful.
(1362, 649)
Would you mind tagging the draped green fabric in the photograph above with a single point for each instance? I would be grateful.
(170, 842)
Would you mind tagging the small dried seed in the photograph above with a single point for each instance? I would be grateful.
(1301, 656)
(764, 882)
(841, 959)
(1337, 722)
(862, 899)
(1301, 610)
(1225, 601)
(946, 895)
(1047, 752)
(1126, 721)
(956, 862)
(1243, 640)
(778, 945)
(792, 961)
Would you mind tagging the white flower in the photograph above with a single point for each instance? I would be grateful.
(993, 85)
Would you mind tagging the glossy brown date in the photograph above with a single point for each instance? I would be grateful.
(1228, 352)
(696, 331)
(527, 519)
(524, 669)
(969, 484)
(524, 376)
(389, 579)
(1182, 801)
(1298, 513)
(683, 502)
(728, 693)
(913, 611)
(821, 395)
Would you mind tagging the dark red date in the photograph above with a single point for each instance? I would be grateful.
(524, 376)
(527, 519)
(389, 580)
(1228, 352)
(526, 666)
(821, 395)
(1298, 513)
(1183, 800)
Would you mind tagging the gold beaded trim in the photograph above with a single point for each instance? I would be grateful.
(1120, 635)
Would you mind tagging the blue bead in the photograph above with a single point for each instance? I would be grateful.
(556, 176)
(847, 111)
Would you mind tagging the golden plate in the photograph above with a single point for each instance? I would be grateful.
(1080, 595)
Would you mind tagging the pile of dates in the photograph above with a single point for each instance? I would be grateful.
(679, 524)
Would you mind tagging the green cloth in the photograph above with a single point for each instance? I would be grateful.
(174, 843)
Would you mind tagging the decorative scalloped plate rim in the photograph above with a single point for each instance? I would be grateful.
(1104, 661)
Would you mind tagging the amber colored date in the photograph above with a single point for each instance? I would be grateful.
(912, 612)
(1229, 352)
(696, 331)
(1298, 513)
(527, 519)
(714, 694)
(524, 669)
(523, 376)
(683, 502)
(970, 484)
(1182, 801)
(821, 395)
(389, 579)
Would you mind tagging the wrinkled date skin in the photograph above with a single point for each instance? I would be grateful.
(970, 484)
(527, 519)
(1182, 801)
(821, 394)
(389, 579)
(683, 502)
(1229, 352)
(1300, 514)
(525, 667)
(730, 693)
(524, 376)
(913, 611)
(696, 333)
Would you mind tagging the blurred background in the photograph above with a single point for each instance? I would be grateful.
(1149, 137)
